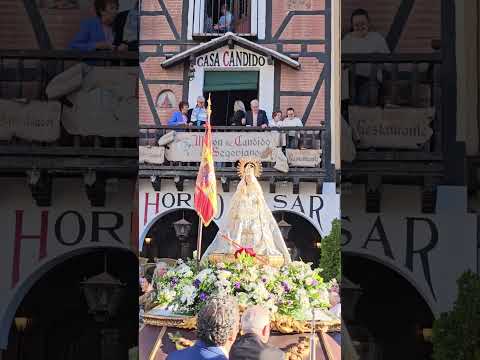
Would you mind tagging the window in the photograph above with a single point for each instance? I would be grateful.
(209, 18)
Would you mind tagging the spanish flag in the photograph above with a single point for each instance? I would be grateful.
(206, 185)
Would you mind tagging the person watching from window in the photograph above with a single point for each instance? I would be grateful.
(225, 21)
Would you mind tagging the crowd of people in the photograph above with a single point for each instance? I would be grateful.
(109, 29)
(221, 332)
(256, 117)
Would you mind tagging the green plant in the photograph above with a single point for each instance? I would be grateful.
(330, 253)
(456, 334)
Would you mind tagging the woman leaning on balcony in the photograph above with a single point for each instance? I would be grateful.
(179, 117)
(98, 33)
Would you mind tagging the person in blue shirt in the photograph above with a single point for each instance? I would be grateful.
(98, 33)
(217, 328)
(199, 113)
(179, 117)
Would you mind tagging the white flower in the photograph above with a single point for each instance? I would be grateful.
(188, 294)
(202, 275)
(224, 275)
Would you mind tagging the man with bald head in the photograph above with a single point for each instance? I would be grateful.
(252, 345)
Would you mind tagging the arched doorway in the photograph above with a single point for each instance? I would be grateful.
(60, 326)
(390, 313)
(161, 240)
(303, 239)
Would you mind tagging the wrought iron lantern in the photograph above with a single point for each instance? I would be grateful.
(103, 293)
(285, 228)
(182, 228)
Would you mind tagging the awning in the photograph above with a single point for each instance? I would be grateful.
(230, 39)
(230, 80)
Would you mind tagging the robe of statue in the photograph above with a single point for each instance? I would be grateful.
(249, 223)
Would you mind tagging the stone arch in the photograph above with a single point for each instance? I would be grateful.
(157, 218)
(317, 227)
(25, 286)
(404, 274)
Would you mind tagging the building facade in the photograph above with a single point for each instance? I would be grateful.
(279, 52)
(405, 197)
(66, 194)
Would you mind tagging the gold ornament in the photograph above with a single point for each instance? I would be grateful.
(244, 163)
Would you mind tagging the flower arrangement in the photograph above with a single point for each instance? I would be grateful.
(294, 289)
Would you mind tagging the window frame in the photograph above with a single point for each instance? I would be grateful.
(257, 18)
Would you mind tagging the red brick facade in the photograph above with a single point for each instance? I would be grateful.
(294, 24)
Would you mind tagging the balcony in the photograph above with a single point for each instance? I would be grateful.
(287, 154)
(394, 106)
(214, 18)
(24, 76)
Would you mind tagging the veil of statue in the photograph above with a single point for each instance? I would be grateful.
(249, 223)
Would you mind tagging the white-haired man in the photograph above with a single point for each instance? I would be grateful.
(256, 116)
(252, 345)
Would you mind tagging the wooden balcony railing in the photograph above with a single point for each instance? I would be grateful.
(25, 74)
(396, 81)
(306, 138)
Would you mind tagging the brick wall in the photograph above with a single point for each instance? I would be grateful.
(299, 28)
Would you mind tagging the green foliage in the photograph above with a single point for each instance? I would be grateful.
(456, 334)
(330, 253)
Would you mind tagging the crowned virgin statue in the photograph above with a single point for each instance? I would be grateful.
(249, 224)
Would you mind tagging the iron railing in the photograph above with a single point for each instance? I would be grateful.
(216, 17)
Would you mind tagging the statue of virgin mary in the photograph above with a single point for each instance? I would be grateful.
(249, 223)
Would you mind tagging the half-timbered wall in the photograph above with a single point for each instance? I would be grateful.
(299, 28)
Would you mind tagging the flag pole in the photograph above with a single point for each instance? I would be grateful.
(200, 221)
(199, 238)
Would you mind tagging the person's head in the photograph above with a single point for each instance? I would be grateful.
(160, 269)
(277, 115)
(238, 105)
(223, 8)
(106, 10)
(256, 320)
(254, 105)
(217, 322)
(360, 22)
(201, 101)
(290, 113)
(183, 106)
(334, 298)
(249, 173)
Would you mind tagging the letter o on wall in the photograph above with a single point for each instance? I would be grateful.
(81, 228)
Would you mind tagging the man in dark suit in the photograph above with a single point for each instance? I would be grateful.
(217, 328)
(253, 344)
(256, 117)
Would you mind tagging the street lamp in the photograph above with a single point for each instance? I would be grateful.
(285, 228)
(103, 293)
(182, 230)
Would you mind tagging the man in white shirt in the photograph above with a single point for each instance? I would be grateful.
(362, 41)
(291, 120)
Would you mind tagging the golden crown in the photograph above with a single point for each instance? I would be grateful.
(244, 163)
